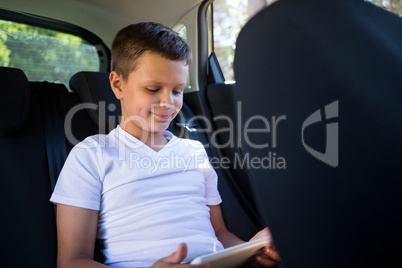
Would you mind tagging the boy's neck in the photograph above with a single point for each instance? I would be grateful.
(154, 140)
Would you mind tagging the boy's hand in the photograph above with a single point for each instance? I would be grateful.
(175, 259)
(263, 233)
(269, 256)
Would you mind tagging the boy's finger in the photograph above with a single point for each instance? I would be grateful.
(271, 253)
(178, 256)
(265, 262)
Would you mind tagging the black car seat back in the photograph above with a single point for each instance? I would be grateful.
(326, 76)
(28, 220)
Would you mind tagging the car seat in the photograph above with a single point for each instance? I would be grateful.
(331, 72)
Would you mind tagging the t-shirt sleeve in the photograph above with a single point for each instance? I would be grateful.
(79, 183)
(211, 192)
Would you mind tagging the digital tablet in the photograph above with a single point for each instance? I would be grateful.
(234, 256)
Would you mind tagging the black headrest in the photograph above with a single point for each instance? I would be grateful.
(94, 87)
(328, 84)
(14, 100)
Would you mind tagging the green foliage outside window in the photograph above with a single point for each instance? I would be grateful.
(45, 55)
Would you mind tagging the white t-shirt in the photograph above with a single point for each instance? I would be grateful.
(148, 202)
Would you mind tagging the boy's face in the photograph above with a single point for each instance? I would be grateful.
(152, 95)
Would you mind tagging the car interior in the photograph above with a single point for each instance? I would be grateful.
(344, 213)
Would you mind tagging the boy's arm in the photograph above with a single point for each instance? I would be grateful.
(76, 234)
(227, 238)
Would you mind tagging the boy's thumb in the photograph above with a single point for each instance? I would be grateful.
(178, 256)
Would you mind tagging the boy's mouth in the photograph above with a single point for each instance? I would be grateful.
(163, 116)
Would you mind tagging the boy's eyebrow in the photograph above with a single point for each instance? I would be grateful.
(182, 85)
(157, 83)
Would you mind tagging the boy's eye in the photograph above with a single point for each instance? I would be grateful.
(153, 90)
(177, 92)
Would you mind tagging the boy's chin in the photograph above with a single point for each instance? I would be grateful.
(158, 128)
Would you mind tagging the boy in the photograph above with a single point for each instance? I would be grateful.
(119, 187)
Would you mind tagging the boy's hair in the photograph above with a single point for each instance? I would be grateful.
(132, 41)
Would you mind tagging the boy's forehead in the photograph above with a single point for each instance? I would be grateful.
(154, 60)
(148, 55)
(154, 66)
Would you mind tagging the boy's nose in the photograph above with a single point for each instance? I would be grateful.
(167, 100)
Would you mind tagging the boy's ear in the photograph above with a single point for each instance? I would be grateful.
(116, 84)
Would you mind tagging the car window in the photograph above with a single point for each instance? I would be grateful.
(229, 16)
(43, 54)
(394, 6)
(181, 29)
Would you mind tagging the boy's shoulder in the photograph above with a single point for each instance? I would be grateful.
(96, 141)
(89, 147)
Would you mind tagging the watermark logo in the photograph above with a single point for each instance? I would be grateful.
(257, 132)
(331, 154)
